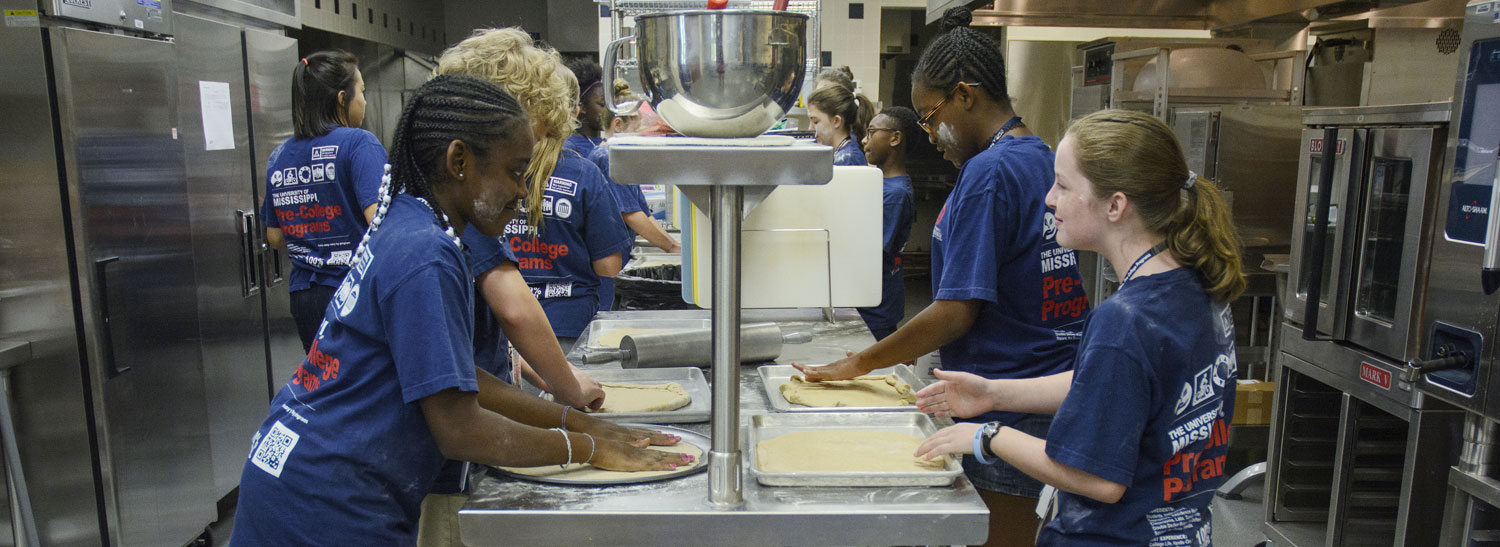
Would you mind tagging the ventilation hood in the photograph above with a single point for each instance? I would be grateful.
(1168, 14)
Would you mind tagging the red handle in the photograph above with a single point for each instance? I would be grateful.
(780, 5)
(718, 4)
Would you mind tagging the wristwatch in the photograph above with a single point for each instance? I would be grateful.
(982, 438)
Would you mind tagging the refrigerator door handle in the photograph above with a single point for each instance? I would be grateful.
(106, 330)
(1489, 276)
(271, 256)
(249, 278)
(1318, 245)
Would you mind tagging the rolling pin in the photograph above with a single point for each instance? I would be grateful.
(759, 343)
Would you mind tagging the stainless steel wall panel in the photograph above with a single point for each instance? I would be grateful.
(226, 257)
(268, 66)
(36, 302)
(129, 202)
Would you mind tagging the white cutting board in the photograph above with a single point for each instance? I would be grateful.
(802, 247)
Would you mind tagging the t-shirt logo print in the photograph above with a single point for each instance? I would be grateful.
(1184, 400)
(276, 179)
(1049, 226)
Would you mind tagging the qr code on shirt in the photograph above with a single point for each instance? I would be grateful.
(274, 449)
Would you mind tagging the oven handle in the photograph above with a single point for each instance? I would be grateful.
(1489, 276)
(1315, 248)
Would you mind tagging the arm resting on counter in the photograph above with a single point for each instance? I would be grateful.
(608, 266)
(525, 324)
(941, 322)
(643, 224)
(1029, 454)
(464, 430)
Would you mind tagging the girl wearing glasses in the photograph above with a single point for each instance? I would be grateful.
(1008, 301)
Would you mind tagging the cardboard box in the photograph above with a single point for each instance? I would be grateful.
(1252, 402)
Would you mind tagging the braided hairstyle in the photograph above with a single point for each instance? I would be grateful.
(445, 109)
(837, 100)
(316, 82)
(963, 54)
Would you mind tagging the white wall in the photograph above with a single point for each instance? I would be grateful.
(856, 42)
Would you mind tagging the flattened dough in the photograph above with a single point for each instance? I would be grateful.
(611, 338)
(843, 450)
(862, 391)
(585, 473)
(643, 397)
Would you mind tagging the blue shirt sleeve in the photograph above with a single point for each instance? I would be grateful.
(485, 252)
(604, 233)
(367, 167)
(974, 273)
(626, 197)
(1099, 426)
(428, 325)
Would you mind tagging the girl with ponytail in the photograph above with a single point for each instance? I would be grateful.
(330, 163)
(1142, 421)
(390, 388)
(839, 120)
(1008, 302)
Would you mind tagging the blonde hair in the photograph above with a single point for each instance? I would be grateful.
(536, 76)
(1136, 154)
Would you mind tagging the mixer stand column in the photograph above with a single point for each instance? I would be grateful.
(725, 479)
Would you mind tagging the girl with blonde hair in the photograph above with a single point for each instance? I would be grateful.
(1141, 426)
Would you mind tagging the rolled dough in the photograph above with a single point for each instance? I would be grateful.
(643, 397)
(611, 338)
(843, 450)
(585, 473)
(862, 391)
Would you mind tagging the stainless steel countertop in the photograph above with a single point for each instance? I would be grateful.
(506, 511)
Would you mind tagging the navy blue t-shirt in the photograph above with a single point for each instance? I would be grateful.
(995, 242)
(491, 352)
(580, 223)
(1149, 408)
(345, 456)
(316, 193)
(581, 144)
(898, 210)
(849, 154)
(631, 199)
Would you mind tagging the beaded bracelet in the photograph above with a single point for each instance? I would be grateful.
(591, 449)
(567, 443)
(565, 416)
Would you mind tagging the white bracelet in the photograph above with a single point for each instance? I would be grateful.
(566, 443)
(591, 449)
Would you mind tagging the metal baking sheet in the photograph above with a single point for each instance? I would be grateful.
(774, 376)
(695, 439)
(601, 326)
(691, 379)
(770, 426)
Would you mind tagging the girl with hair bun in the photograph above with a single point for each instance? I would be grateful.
(835, 114)
(1008, 301)
(321, 184)
(354, 441)
(1142, 421)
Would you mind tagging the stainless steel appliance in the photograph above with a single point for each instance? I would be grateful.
(1463, 312)
(718, 73)
(1357, 452)
(153, 16)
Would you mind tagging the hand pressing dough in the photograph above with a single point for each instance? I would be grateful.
(612, 337)
(585, 473)
(643, 397)
(862, 391)
(840, 450)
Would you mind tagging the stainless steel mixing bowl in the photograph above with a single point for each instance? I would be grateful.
(717, 73)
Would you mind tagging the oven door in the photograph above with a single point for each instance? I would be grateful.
(1390, 270)
(1336, 251)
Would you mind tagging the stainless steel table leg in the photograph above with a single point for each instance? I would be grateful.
(1232, 488)
(24, 521)
(725, 484)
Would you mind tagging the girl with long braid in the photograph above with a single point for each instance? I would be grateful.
(1008, 301)
(1142, 421)
(389, 389)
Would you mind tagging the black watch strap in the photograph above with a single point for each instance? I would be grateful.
(990, 430)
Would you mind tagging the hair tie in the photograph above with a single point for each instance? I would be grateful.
(1191, 180)
(304, 61)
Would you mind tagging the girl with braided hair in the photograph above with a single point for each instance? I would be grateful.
(1008, 301)
(1142, 421)
(353, 442)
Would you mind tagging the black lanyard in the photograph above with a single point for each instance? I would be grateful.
(1012, 123)
(1145, 257)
